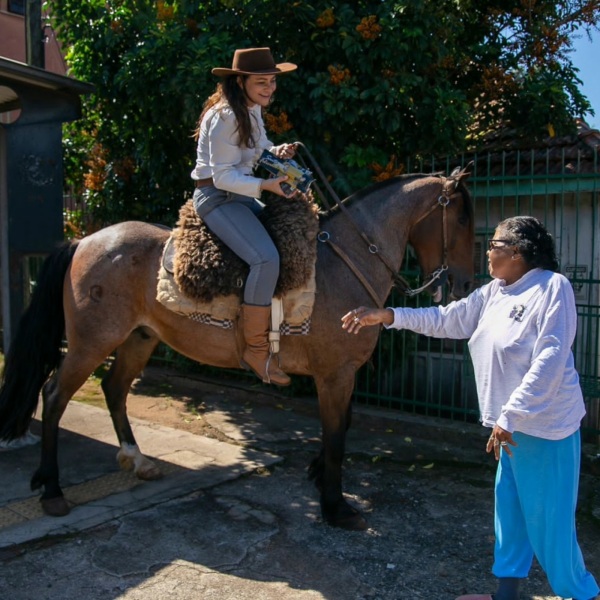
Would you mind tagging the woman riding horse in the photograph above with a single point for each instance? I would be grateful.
(231, 137)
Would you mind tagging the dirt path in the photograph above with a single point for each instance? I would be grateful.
(159, 396)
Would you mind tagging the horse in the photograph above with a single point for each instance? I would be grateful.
(99, 294)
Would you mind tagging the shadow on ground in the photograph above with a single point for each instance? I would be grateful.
(254, 531)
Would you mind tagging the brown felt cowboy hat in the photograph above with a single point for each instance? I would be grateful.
(254, 61)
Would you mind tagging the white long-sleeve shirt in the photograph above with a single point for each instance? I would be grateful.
(220, 156)
(520, 339)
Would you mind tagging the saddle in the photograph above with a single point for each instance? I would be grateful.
(201, 278)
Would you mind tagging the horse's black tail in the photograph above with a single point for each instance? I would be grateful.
(36, 347)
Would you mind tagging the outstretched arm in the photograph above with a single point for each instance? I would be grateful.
(364, 317)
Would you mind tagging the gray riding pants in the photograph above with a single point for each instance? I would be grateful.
(236, 224)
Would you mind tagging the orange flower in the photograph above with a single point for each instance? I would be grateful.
(116, 26)
(94, 179)
(390, 170)
(338, 76)
(71, 229)
(278, 124)
(164, 12)
(368, 28)
(326, 19)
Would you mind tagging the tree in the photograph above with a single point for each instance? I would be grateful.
(378, 80)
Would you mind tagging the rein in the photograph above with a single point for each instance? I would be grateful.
(448, 189)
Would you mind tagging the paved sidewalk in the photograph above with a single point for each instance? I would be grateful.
(238, 519)
(97, 489)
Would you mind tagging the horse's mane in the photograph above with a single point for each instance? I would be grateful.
(468, 204)
(380, 186)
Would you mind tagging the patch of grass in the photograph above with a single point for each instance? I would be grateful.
(91, 392)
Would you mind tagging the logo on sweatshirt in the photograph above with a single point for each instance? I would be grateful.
(517, 312)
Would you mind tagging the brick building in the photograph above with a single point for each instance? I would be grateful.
(12, 37)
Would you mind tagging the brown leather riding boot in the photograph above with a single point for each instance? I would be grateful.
(256, 357)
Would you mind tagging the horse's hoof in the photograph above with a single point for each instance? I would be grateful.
(55, 507)
(351, 522)
(149, 473)
(131, 458)
(347, 517)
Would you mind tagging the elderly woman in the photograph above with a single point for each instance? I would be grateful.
(520, 328)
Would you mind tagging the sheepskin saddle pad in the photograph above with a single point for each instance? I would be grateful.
(203, 279)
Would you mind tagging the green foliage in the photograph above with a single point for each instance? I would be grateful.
(378, 80)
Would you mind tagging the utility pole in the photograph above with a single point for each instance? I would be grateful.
(34, 34)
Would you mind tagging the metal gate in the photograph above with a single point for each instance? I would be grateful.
(560, 185)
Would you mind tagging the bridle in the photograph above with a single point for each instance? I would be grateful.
(449, 189)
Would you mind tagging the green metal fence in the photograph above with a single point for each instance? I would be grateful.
(560, 186)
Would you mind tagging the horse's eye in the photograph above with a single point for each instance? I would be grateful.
(463, 220)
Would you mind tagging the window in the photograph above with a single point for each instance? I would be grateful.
(16, 6)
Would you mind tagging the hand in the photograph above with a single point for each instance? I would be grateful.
(273, 185)
(285, 151)
(500, 438)
(361, 317)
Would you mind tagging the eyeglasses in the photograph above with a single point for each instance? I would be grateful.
(494, 244)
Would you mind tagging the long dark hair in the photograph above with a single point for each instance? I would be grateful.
(231, 92)
(533, 241)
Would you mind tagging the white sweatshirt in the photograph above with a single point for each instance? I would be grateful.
(520, 344)
(220, 156)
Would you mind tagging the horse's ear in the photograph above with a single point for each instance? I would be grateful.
(461, 173)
